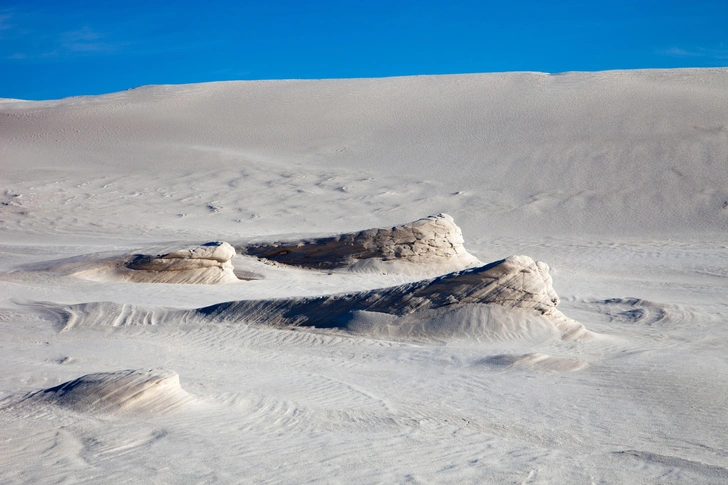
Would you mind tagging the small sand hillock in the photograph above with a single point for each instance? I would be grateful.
(508, 299)
(205, 264)
(434, 243)
(518, 286)
(148, 391)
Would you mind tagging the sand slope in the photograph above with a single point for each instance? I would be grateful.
(128, 391)
(574, 152)
(514, 283)
(431, 245)
(451, 306)
(375, 356)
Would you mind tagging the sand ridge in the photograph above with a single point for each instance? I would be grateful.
(434, 241)
(129, 391)
(449, 306)
(448, 373)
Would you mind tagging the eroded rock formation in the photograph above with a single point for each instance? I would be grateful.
(207, 264)
(517, 282)
(431, 240)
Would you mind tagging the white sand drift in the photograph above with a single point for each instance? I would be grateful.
(456, 305)
(206, 264)
(128, 391)
(310, 350)
(430, 245)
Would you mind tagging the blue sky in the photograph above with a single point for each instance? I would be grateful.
(53, 49)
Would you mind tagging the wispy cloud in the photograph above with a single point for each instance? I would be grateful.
(37, 34)
(87, 40)
(719, 53)
(5, 21)
(54, 34)
(79, 42)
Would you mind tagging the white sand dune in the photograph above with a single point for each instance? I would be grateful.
(425, 309)
(206, 264)
(127, 391)
(449, 306)
(570, 153)
(376, 356)
(536, 361)
(432, 245)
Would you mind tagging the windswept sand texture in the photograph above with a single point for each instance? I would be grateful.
(431, 244)
(451, 303)
(128, 391)
(206, 264)
(339, 354)
(456, 305)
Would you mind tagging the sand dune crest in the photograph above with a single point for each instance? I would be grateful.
(147, 391)
(508, 299)
(434, 240)
(516, 283)
(205, 264)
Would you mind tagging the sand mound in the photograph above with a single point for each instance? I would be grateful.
(206, 264)
(425, 307)
(102, 314)
(514, 282)
(479, 322)
(148, 391)
(645, 312)
(535, 362)
(209, 263)
(508, 299)
(434, 240)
